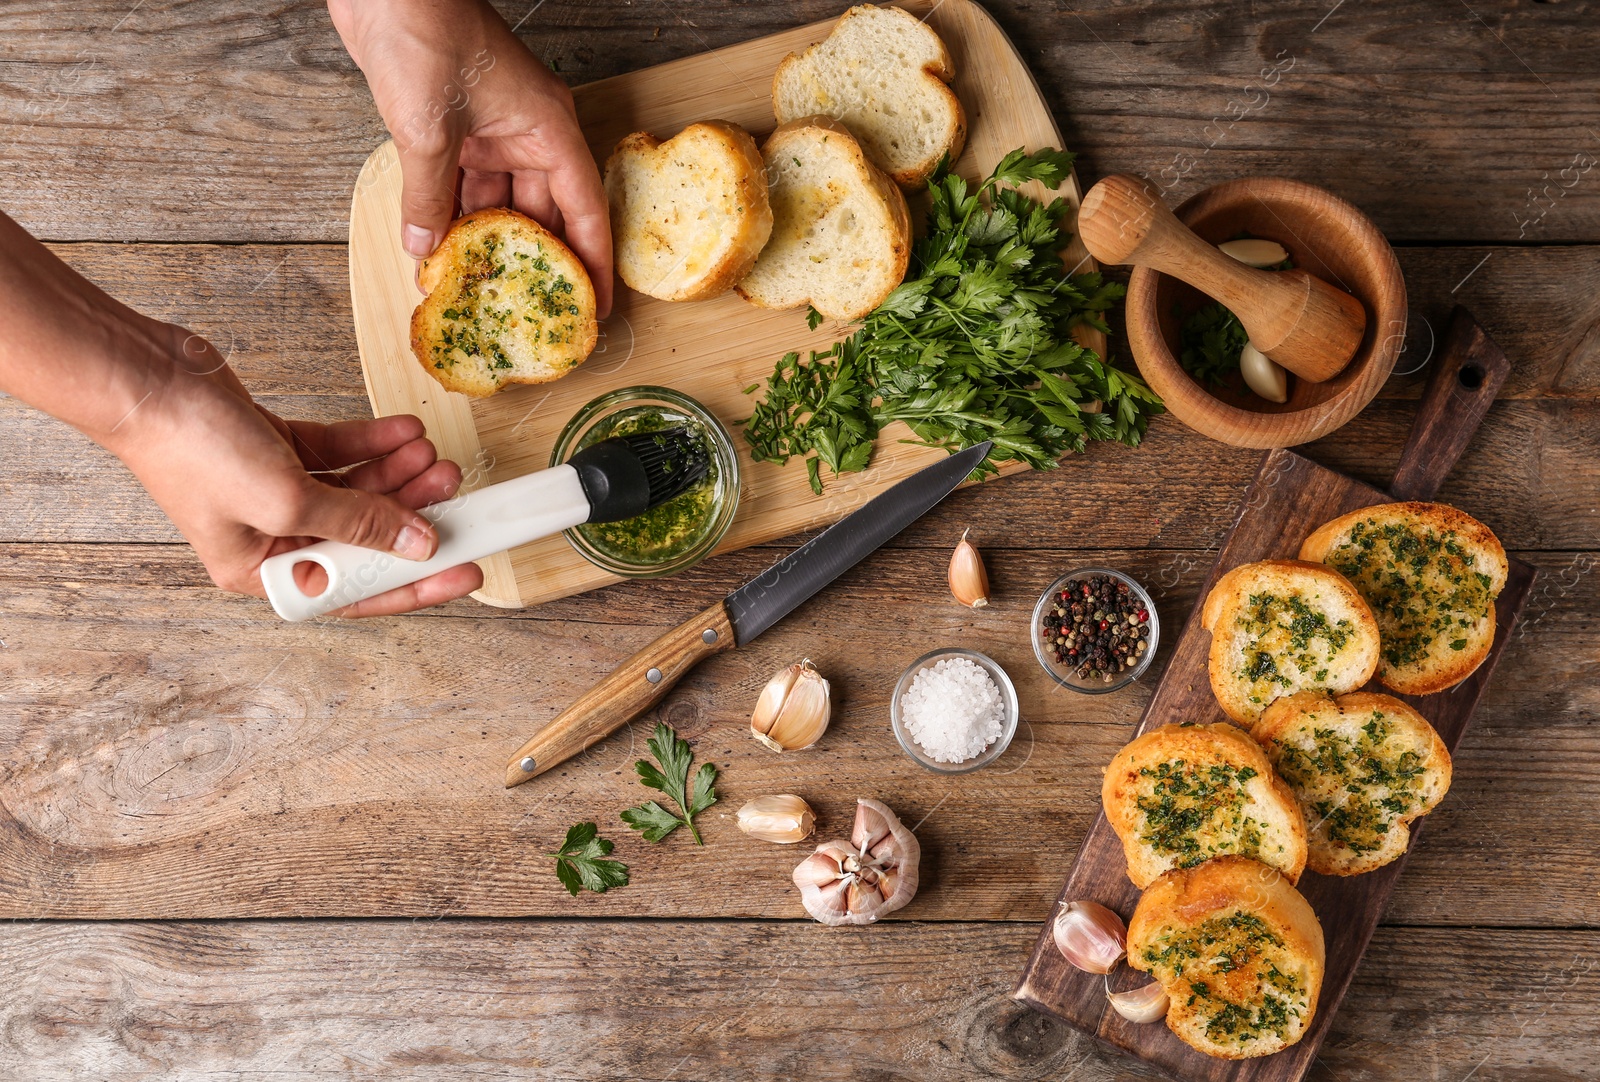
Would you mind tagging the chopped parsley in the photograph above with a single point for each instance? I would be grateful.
(1423, 585)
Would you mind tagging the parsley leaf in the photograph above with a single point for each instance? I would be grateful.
(579, 864)
(977, 346)
(1212, 340)
(672, 778)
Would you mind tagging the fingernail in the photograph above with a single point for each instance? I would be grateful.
(419, 242)
(412, 543)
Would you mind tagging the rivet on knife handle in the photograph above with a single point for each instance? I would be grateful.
(632, 688)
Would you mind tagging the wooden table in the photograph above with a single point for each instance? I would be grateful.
(181, 771)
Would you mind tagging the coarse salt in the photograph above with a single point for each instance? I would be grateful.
(953, 709)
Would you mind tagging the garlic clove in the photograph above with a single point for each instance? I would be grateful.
(1142, 1005)
(858, 881)
(793, 710)
(1262, 375)
(1090, 936)
(1255, 252)
(969, 581)
(784, 819)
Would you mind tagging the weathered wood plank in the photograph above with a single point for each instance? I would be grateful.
(698, 1001)
(1531, 474)
(1483, 108)
(282, 312)
(161, 737)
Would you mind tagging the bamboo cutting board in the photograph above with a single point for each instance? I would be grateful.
(1290, 497)
(710, 350)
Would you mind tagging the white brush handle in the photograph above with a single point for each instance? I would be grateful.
(470, 526)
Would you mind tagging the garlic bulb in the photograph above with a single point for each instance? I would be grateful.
(1263, 376)
(793, 710)
(784, 819)
(1146, 1004)
(1255, 252)
(969, 582)
(858, 881)
(1090, 936)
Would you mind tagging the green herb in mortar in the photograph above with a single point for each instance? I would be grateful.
(976, 347)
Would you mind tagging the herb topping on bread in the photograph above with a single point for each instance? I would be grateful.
(1239, 953)
(507, 303)
(1282, 626)
(1183, 794)
(1431, 574)
(1363, 766)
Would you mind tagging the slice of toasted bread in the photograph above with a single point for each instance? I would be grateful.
(1282, 626)
(1239, 952)
(1183, 794)
(1363, 766)
(885, 74)
(507, 303)
(1431, 574)
(841, 234)
(689, 215)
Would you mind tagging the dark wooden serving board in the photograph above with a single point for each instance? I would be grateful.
(1289, 498)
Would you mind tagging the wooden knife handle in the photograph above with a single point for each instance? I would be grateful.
(1468, 371)
(632, 688)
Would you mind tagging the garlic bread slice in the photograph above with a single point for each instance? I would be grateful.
(885, 75)
(507, 303)
(1239, 953)
(1363, 766)
(841, 233)
(1431, 574)
(1282, 626)
(689, 216)
(1183, 794)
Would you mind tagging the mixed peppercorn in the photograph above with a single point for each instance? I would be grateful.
(1097, 627)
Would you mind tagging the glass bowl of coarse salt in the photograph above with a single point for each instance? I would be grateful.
(954, 711)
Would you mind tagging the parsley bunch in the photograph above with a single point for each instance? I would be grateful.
(976, 347)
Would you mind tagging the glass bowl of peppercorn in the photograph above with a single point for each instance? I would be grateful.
(1095, 630)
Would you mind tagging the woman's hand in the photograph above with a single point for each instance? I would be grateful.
(460, 93)
(242, 484)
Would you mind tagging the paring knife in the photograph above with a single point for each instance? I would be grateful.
(644, 679)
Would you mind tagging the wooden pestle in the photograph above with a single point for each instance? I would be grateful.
(1301, 322)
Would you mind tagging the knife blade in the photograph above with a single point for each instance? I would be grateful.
(644, 679)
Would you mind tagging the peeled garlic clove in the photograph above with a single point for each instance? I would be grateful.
(784, 819)
(1142, 1005)
(1263, 376)
(969, 582)
(1090, 936)
(793, 710)
(1255, 252)
(858, 881)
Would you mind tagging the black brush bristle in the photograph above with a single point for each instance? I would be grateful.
(674, 460)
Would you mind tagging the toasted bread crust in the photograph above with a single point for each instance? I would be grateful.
(875, 262)
(1250, 951)
(473, 335)
(1218, 773)
(874, 130)
(1427, 600)
(708, 255)
(1363, 767)
(1310, 629)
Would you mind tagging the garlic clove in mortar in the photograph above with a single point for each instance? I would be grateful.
(969, 582)
(1263, 376)
(1142, 1005)
(858, 881)
(793, 710)
(784, 819)
(1090, 936)
(1255, 252)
